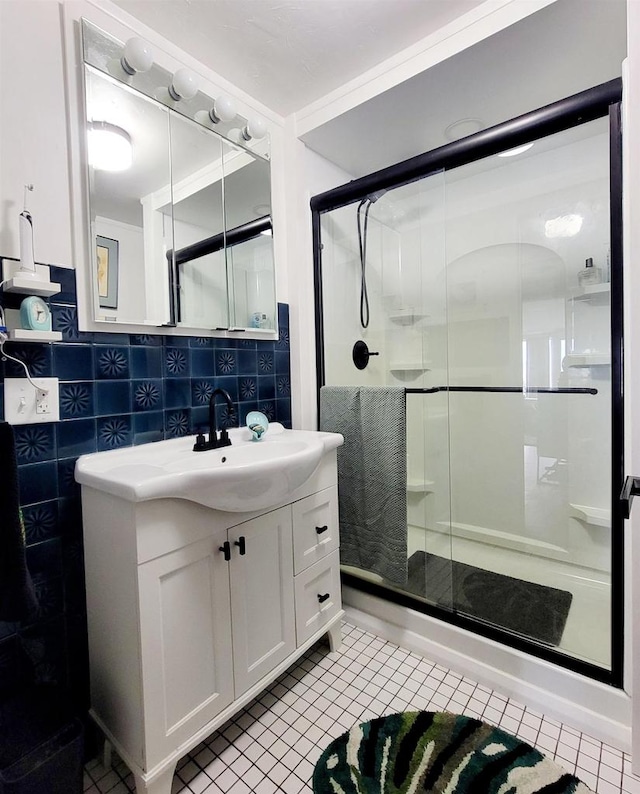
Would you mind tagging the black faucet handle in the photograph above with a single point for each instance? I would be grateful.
(224, 440)
(201, 443)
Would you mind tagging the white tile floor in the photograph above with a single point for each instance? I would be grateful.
(272, 745)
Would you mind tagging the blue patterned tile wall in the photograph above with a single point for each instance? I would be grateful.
(115, 390)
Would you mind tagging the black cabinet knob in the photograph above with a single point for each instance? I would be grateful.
(324, 597)
(240, 543)
(320, 530)
(226, 548)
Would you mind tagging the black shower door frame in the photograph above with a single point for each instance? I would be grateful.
(595, 103)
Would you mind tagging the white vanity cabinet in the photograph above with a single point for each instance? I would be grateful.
(192, 612)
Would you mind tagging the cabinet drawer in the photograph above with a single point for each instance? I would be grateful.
(315, 528)
(313, 608)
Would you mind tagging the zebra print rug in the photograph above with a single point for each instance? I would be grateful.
(424, 751)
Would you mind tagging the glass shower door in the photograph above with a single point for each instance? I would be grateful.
(529, 391)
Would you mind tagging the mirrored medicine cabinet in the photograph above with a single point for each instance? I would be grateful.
(182, 236)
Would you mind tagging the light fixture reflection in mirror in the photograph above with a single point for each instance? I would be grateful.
(137, 56)
(109, 147)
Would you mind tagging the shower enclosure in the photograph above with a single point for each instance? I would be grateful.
(487, 279)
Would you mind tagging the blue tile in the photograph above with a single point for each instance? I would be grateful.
(200, 419)
(266, 363)
(34, 443)
(76, 437)
(147, 395)
(283, 362)
(247, 362)
(200, 341)
(201, 390)
(44, 643)
(246, 408)
(268, 408)
(230, 385)
(146, 339)
(76, 400)
(283, 315)
(50, 597)
(283, 339)
(266, 387)
(36, 357)
(283, 412)
(40, 521)
(110, 338)
(247, 344)
(68, 488)
(176, 341)
(226, 419)
(202, 362)
(111, 362)
(70, 516)
(73, 362)
(177, 423)
(115, 431)
(247, 389)
(66, 277)
(283, 386)
(177, 393)
(226, 362)
(113, 397)
(148, 427)
(176, 362)
(38, 482)
(65, 319)
(146, 362)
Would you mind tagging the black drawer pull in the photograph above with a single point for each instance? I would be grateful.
(226, 548)
(241, 545)
(324, 597)
(320, 530)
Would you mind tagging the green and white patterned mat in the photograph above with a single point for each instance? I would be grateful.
(425, 751)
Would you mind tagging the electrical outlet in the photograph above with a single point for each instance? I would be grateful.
(25, 405)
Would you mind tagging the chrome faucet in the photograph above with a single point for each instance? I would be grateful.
(215, 441)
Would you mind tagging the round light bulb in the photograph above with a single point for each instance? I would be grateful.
(224, 109)
(137, 57)
(109, 147)
(184, 85)
(256, 128)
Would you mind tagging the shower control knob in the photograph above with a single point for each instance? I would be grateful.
(361, 354)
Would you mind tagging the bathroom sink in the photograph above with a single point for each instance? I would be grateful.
(245, 476)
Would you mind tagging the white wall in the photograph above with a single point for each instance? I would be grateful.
(33, 129)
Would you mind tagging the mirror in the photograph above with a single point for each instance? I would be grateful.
(182, 233)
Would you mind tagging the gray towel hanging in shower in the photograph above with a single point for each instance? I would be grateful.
(372, 475)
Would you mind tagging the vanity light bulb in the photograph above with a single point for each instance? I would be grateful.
(138, 56)
(224, 109)
(184, 85)
(256, 128)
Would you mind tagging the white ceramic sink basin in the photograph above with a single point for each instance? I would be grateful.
(248, 475)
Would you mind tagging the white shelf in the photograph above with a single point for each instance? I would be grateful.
(16, 281)
(409, 366)
(417, 486)
(596, 516)
(594, 293)
(22, 335)
(583, 360)
(406, 317)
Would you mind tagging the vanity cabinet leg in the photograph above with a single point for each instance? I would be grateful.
(159, 785)
(335, 637)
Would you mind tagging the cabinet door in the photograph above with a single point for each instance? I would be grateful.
(185, 628)
(318, 596)
(263, 615)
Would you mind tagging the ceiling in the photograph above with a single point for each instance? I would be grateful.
(288, 53)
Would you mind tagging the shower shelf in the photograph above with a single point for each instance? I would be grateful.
(406, 317)
(417, 486)
(582, 360)
(596, 516)
(597, 294)
(410, 368)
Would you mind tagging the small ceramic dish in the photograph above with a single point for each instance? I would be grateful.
(258, 424)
